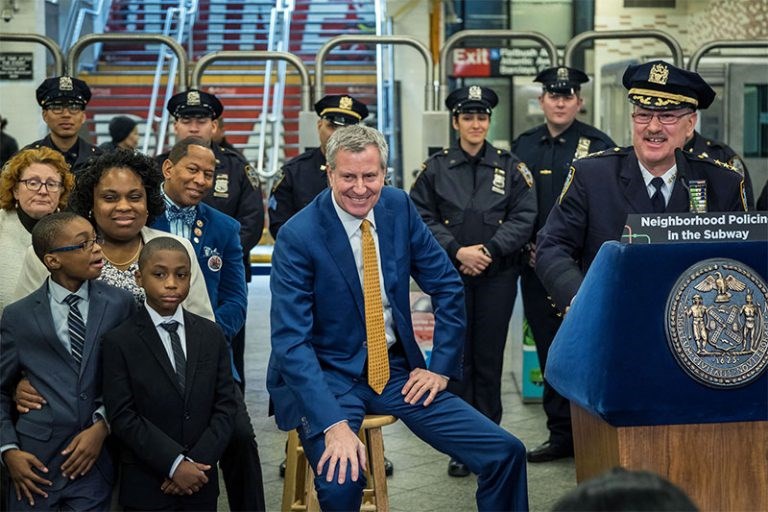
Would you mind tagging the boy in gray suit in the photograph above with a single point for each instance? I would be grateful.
(53, 337)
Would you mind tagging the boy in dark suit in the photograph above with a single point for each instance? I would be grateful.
(52, 336)
(170, 393)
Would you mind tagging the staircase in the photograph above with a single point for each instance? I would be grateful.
(123, 79)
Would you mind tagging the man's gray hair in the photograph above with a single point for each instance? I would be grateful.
(356, 138)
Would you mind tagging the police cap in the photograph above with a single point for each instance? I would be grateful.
(194, 103)
(658, 85)
(562, 80)
(472, 99)
(341, 110)
(63, 89)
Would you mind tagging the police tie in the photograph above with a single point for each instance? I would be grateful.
(378, 357)
(76, 328)
(178, 354)
(657, 200)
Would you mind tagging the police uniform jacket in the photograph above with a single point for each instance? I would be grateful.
(303, 178)
(493, 205)
(700, 145)
(601, 190)
(549, 159)
(236, 192)
(78, 155)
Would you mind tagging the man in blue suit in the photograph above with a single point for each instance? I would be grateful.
(324, 372)
(188, 173)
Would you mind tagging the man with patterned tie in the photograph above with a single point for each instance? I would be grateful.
(342, 337)
(53, 337)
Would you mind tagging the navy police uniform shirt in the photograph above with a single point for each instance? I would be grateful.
(549, 159)
(490, 203)
(236, 192)
(303, 178)
(700, 145)
(599, 193)
(78, 155)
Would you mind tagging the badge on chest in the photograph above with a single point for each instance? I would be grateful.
(499, 181)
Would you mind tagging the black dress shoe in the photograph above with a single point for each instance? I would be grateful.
(549, 451)
(457, 469)
(388, 467)
(282, 469)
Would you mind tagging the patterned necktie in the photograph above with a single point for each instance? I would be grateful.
(76, 328)
(378, 357)
(185, 215)
(657, 200)
(178, 354)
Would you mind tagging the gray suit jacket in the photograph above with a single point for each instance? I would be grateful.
(29, 345)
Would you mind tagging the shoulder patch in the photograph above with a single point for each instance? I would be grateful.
(567, 184)
(253, 176)
(278, 182)
(737, 163)
(527, 176)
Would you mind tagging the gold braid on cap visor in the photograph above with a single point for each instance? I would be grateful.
(646, 96)
(342, 111)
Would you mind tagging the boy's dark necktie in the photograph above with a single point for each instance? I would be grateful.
(178, 354)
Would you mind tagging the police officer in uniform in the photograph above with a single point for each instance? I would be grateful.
(548, 151)
(303, 177)
(63, 99)
(236, 187)
(480, 204)
(652, 175)
(715, 150)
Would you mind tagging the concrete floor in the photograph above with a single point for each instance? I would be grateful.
(420, 481)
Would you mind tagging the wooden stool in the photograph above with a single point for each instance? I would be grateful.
(299, 493)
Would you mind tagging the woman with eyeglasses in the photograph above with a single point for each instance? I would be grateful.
(119, 193)
(34, 183)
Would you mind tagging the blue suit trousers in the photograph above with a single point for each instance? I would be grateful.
(448, 424)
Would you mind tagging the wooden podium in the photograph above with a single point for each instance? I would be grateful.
(715, 478)
(634, 406)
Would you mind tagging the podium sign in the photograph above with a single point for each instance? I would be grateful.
(648, 228)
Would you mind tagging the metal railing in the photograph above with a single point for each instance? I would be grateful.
(185, 14)
(671, 42)
(693, 63)
(242, 55)
(463, 35)
(375, 40)
(50, 45)
(99, 11)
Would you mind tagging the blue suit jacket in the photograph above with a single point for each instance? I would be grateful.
(318, 319)
(29, 344)
(216, 239)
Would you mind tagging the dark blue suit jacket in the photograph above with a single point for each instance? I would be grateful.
(318, 320)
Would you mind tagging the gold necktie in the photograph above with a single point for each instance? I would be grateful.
(378, 357)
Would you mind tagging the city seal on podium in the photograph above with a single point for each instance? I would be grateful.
(717, 323)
